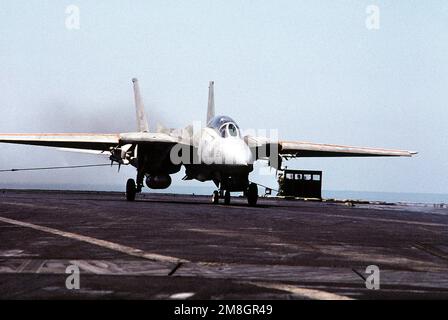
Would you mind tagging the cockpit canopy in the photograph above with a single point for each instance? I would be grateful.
(225, 126)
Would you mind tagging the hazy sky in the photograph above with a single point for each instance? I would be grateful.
(310, 69)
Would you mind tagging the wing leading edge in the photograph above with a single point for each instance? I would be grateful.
(89, 141)
(309, 149)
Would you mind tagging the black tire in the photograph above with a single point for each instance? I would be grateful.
(131, 190)
(227, 197)
(215, 197)
(252, 194)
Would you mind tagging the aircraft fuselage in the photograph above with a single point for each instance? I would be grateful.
(219, 154)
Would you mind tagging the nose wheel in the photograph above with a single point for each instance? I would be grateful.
(221, 194)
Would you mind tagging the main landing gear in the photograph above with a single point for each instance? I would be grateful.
(227, 197)
(215, 197)
(251, 194)
(131, 190)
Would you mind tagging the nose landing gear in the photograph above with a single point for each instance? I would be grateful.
(251, 194)
(221, 194)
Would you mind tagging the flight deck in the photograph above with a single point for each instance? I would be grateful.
(165, 246)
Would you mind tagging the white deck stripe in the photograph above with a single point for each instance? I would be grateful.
(101, 243)
(304, 292)
(350, 217)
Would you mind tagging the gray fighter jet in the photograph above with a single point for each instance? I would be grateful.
(218, 151)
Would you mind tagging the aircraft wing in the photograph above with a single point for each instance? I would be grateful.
(90, 141)
(309, 149)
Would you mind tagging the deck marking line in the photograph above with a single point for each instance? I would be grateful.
(418, 223)
(304, 292)
(100, 243)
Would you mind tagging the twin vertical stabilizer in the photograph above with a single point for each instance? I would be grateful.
(211, 102)
(142, 122)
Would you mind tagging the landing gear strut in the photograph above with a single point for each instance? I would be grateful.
(131, 190)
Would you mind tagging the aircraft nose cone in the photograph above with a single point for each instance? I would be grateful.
(237, 152)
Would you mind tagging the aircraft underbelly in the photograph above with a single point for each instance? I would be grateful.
(234, 176)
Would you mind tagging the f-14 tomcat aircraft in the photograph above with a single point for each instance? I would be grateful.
(217, 152)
